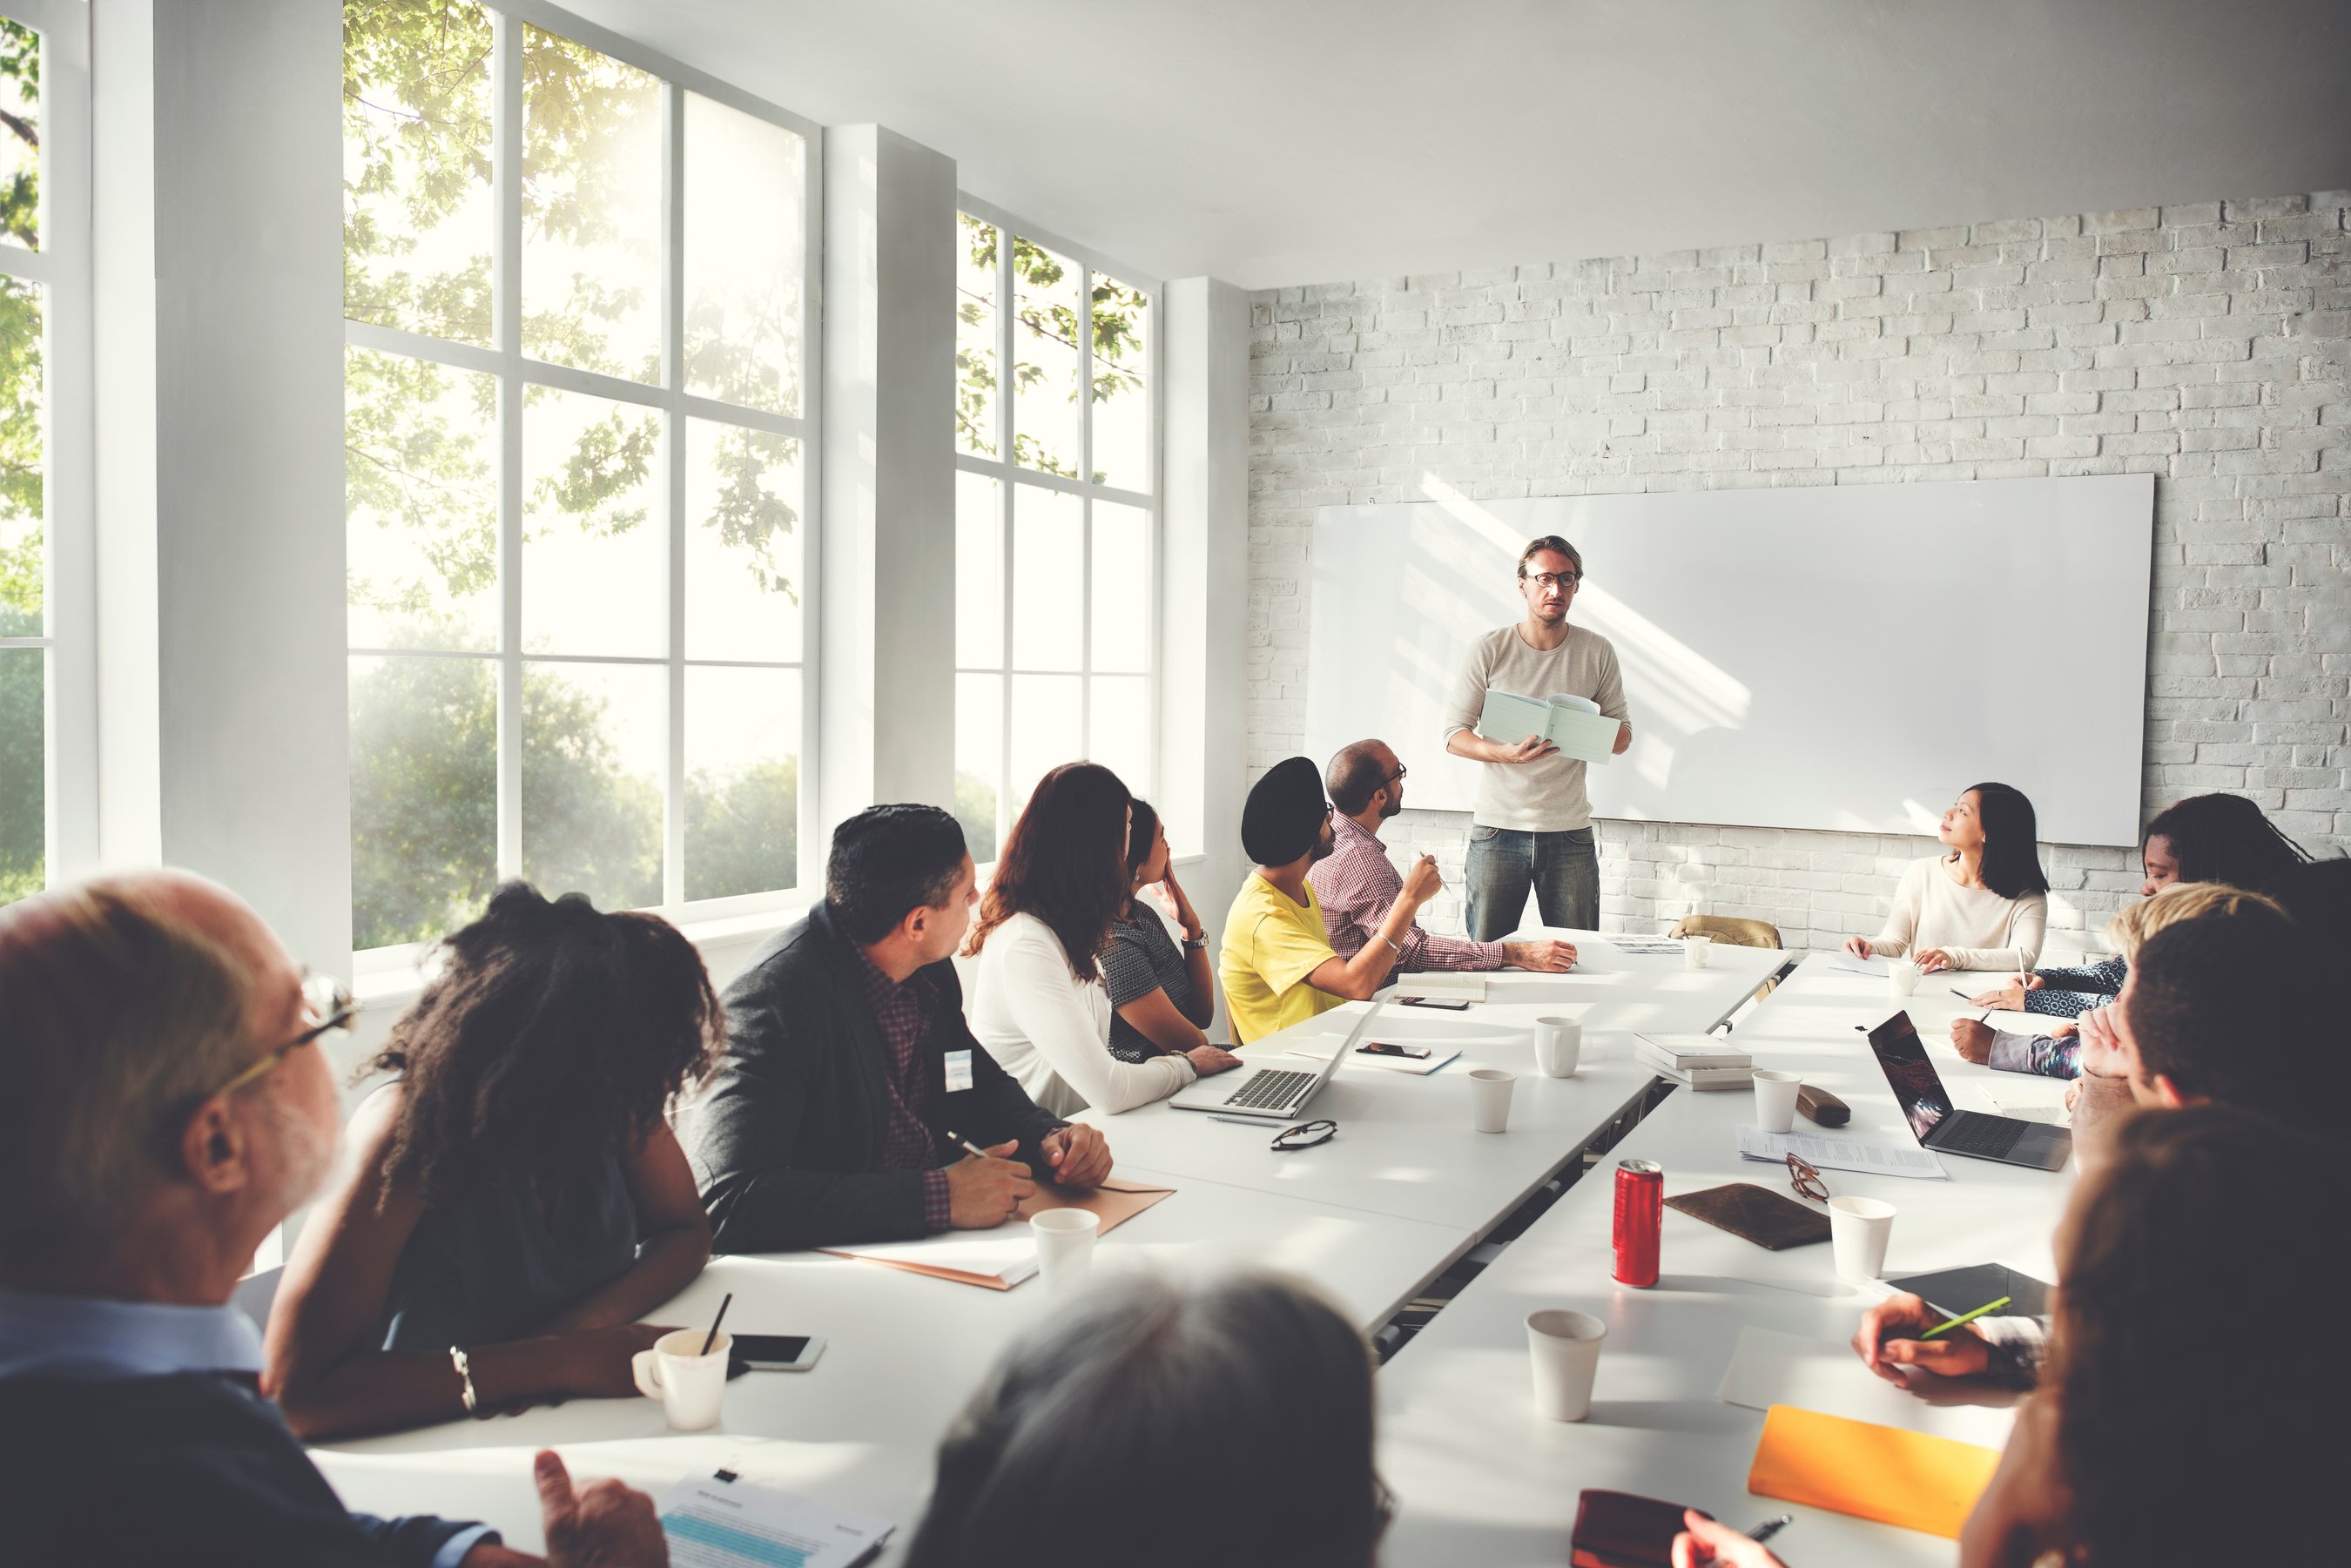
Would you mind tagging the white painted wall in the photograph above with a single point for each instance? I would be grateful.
(2203, 344)
(887, 610)
(1204, 587)
(220, 362)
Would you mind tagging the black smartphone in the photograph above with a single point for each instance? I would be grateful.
(778, 1352)
(1448, 1004)
(1389, 1048)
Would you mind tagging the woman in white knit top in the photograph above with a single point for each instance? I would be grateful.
(1983, 905)
(1038, 1006)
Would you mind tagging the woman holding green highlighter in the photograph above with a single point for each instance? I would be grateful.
(2157, 1437)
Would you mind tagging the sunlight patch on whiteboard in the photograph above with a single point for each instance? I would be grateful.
(1921, 820)
(1691, 692)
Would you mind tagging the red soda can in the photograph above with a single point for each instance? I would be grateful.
(1640, 1215)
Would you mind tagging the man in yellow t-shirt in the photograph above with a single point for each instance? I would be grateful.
(1277, 965)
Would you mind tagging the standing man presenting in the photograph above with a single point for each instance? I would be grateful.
(1533, 824)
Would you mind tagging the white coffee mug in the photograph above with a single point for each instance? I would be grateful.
(1559, 1046)
(1490, 1098)
(1694, 951)
(1859, 1228)
(690, 1386)
(1065, 1245)
(1565, 1349)
(1775, 1100)
(1902, 977)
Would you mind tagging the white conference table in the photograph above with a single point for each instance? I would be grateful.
(1480, 1478)
(1405, 1144)
(860, 1429)
(1410, 1189)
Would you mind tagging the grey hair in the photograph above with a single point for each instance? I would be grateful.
(1085, 1419)
(118, 1019)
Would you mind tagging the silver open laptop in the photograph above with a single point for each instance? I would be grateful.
(1275, 1093)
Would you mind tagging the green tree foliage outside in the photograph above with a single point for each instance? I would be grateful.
(1117, 313)
(24, 786)
(420, 460)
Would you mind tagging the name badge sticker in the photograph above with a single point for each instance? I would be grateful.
(958, 1071)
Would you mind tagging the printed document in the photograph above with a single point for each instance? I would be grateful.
(1831, 1153)
(716, 1522)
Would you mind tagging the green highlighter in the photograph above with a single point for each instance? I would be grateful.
(1964, 1317)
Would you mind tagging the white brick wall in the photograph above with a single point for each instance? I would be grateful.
(2204, 344)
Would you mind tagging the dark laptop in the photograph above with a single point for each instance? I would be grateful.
(1927, 1104)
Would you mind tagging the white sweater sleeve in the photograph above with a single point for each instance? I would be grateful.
(1902, 920)
(2028, 923)
(1051, 1008)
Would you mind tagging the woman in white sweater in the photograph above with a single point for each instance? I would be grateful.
(1983, 905)
(1038, 1006)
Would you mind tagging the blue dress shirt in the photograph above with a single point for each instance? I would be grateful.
(97, 1338)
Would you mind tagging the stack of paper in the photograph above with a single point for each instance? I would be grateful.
(1654, 947)
(1703, 1061)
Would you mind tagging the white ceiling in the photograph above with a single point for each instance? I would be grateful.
(1279, 142)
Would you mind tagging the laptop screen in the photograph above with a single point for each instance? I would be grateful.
(1916, 1084)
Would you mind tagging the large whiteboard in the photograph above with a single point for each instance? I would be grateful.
(1843, 657)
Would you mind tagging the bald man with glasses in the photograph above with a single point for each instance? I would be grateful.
(164, 1105)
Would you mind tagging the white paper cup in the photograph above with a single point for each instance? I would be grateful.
(1901, 977)
(1065, 1245)
(1565, 1348)
(1859, 1228)
(1775, 1100)
(690, 1386)
(1490, 1098)
(1559, 1046)
(1694, 951)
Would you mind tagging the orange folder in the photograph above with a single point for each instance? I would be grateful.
(1905, 1478)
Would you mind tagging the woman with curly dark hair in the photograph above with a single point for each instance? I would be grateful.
(515, 1200)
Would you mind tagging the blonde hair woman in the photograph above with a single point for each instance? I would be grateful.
(2060, 1052)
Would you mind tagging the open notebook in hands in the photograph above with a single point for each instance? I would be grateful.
(1273, 1093)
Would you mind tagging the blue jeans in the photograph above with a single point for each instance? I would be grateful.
(1563, 868)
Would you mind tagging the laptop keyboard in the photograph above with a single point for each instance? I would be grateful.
(1986, 1136)
(1269, 1088)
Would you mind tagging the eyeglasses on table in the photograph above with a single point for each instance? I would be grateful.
(1305, 1136)
(1805, 1177)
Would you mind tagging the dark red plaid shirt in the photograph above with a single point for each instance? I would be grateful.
(903, 1013)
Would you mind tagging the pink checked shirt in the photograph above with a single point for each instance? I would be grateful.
(1357, 884)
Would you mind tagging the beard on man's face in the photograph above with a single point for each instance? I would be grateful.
(1325, 842)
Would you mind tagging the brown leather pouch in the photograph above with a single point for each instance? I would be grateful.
(1755, 1214)
(1822, 1106)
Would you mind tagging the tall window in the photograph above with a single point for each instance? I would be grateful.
(46, 749)
(578, 282)
(1057, 519)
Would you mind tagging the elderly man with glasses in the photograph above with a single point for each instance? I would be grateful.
(164, 1105)
(1533, 828)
